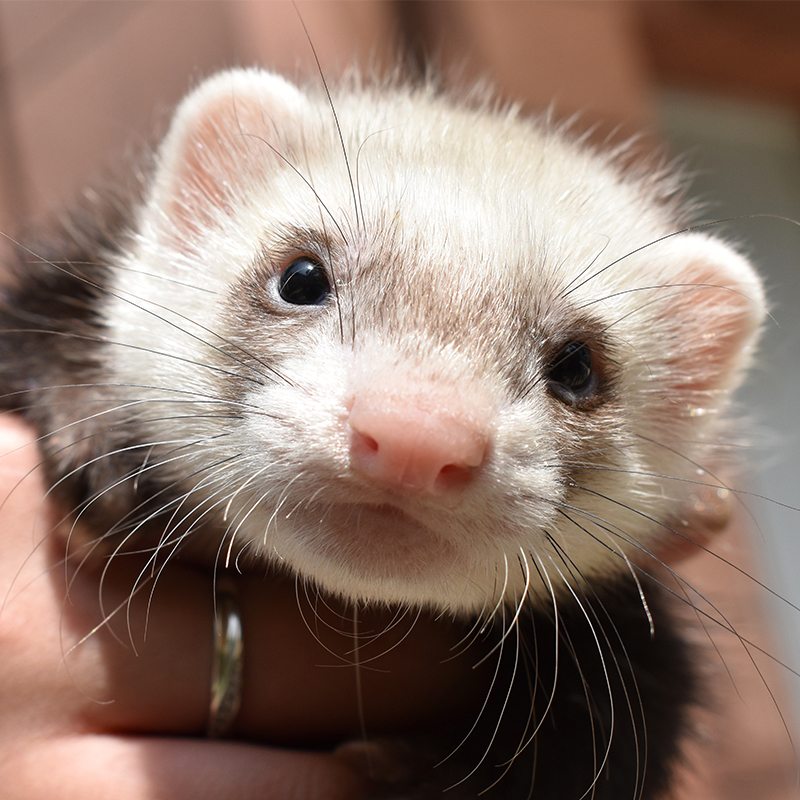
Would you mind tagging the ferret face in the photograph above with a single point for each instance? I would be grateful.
(464, 366)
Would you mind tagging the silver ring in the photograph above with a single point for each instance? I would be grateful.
(226, 661)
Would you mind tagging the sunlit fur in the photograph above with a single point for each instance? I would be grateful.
(468, 242)
(466, 246)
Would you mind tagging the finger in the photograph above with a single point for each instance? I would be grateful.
(144, 666)
(85, 767)
(307, 678)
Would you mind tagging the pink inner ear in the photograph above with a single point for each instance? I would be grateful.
(214, 151)
(221, 142)
(198, 175)
(713, 325)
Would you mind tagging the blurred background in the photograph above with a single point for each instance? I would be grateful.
(85, 85)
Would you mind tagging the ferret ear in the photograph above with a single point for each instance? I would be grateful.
(231, 129)
(712, 316)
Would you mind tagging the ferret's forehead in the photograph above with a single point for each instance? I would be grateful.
(443, 217)
(489, 188)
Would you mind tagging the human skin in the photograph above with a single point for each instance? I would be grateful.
(93, 710)
(90, 711)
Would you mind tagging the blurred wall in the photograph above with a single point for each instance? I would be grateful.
(82, 82)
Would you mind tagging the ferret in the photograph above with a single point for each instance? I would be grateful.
(418, 351)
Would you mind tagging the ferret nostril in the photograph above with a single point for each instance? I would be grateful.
(365, 448)
(369, 443)
(450, 469)
(452, 477)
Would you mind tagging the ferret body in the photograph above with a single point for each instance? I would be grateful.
(451, 360)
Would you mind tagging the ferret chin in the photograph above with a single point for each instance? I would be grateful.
(453, 359)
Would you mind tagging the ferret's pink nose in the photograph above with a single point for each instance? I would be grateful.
(413, 444)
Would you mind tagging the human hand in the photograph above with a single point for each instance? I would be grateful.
(105, 696)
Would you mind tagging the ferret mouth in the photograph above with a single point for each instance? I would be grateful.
(392, 514)
(374, 523)
(378, 541)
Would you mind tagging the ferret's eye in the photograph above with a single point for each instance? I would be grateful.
(571, 375)
(304, 283)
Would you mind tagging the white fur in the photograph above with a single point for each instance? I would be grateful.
(456, 205)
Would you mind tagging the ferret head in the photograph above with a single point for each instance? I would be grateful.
(417, 352)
